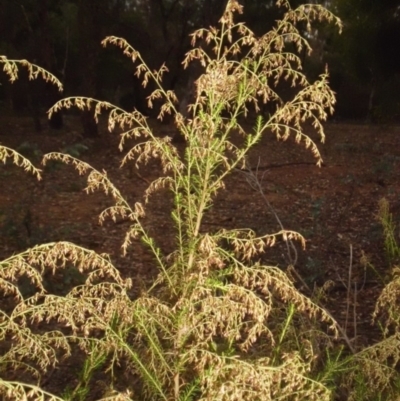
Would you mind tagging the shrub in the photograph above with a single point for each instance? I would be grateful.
(214, 325)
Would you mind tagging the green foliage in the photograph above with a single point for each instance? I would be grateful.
(365, 57)
(392, 248)
(373, 372)
(94, 362)
(363, 36)
(385, 169)
(75, 150)
(30, 150)
(15, 223)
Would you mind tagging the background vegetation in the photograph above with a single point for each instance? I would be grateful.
(216, 323)
(64, 37)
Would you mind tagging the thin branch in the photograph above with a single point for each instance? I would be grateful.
(256, 184)
(349, 288)
(355, 311)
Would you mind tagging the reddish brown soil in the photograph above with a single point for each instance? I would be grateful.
(334, 206)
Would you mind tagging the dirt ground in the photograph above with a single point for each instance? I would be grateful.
(334, 206)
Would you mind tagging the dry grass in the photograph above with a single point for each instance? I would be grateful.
(215, 325)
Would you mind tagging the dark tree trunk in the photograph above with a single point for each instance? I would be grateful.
(50, 93)
(89, 19)
(89, 125)
(43, 95)
(371, 101)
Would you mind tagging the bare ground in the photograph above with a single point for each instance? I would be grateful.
(334, 207)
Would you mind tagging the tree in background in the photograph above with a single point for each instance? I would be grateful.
(367, 52)
(64, 36)
(27, 30)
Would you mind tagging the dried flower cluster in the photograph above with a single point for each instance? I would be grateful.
(215, 325)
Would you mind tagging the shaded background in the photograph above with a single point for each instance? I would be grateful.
(64, 37)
